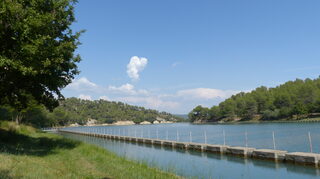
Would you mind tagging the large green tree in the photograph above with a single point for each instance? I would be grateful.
(37, 51)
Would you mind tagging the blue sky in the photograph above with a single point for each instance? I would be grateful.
(196, 52)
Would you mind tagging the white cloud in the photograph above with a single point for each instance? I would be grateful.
(85, 97)
(135, 66)
(105, 98)
(151, 102)
(205, 93)
(128, 89)
(177, 101)
(82, 84)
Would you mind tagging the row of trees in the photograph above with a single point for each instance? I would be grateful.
(74, 110)
(292, 100)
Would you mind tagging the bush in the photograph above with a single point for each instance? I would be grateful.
(271, 114)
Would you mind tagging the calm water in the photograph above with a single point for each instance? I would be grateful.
(201, 165)
(288, 136)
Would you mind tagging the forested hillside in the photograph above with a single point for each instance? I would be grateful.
(74, 110)
(293, 100)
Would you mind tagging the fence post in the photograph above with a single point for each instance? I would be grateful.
(190, 137)
(205, 137)
(224, 138)
(310, 141)
(177, 136)
(246, 136)
(274, 141)
(157, 134)
(167, 135)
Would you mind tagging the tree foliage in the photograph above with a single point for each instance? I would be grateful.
(74, 110)
(37, 49)
(292, 100)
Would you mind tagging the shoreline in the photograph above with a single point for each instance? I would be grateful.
(262, 122)
(120, 123)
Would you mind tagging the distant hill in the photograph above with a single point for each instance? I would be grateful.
(293, 100)
(74, 110)
(184, 116)
(109, 111)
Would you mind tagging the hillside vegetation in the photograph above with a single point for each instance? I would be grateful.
(74, 110)
(292, 100)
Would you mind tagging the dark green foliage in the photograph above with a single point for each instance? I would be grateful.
(74, 110)
(37, 49)
(292, 100)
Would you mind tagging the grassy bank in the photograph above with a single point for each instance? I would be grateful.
(28, 153)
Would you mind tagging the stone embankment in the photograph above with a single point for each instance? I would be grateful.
(304, 158)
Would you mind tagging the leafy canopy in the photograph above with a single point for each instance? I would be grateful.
(37, 50)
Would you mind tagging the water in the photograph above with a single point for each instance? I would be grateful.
(194, 164)
(291, 137)
(288, 136)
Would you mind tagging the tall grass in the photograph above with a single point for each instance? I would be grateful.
(26, 152)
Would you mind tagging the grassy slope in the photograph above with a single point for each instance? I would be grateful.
(27, 153)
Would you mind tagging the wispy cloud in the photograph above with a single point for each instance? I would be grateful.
(135, 66)
(105, 98)
(205, 93)
(82, 84)
(127, 89)
(85, 97)
(152, 102)
(177, 101)
(175, 64)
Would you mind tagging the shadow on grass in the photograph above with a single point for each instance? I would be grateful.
(5, 174)
(19, 144)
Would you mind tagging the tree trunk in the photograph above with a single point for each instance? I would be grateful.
(19, 118)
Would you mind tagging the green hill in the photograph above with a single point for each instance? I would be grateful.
(292, 100)
(74, 110)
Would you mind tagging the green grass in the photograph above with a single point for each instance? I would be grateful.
(28, 153)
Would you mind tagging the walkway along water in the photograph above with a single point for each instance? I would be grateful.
(304, 158)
